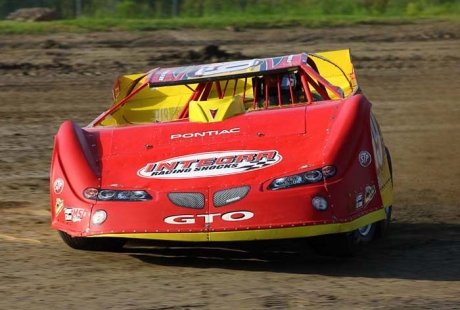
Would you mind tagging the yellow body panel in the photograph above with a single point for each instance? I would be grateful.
(261, 234)
(215, 110)
(149, 105)
(346, 80)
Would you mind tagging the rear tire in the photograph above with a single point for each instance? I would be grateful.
(93, 243)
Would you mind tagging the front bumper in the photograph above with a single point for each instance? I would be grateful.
(260, 234)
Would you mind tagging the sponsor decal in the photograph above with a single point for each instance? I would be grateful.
(59, 205)
(210, 164)
(208, 218)
(68, 214)
(220, 68)
(163, 74)
(365, 158)
(74, 214)
(58, 186)
(213, 113)
(359, 200)
(189, 135)
(233, 199)
(369, 193)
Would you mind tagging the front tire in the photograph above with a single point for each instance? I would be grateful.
(383, 226)
(350, 244)
(390, 164)
(344, 244)
(93, 243)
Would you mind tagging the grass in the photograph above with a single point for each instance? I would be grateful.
(213, 22)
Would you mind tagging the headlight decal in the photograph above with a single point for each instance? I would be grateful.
(116, 195)
(304, 178)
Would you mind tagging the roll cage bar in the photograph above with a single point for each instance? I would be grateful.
(307, 74)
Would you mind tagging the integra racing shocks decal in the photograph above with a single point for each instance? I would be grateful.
(210, 164)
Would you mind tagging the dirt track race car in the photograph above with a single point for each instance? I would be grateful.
(262, 149)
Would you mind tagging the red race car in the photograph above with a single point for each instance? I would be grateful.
(274, 148)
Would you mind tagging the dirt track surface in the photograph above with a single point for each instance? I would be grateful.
(410, 73)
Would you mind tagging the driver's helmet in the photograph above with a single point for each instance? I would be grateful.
(285, 81)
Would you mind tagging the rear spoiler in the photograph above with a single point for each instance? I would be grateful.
(327, 64)
(342, 60)
(124, 84)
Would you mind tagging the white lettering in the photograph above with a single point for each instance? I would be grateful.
(204, 133)
(180, 219)
(227, 67)
(162, 76)
(210, 164)
(209, 218)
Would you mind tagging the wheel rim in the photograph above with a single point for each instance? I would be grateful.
(365, 230)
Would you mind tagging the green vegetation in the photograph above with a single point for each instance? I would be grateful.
(140, 15)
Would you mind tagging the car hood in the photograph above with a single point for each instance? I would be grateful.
(249, 148)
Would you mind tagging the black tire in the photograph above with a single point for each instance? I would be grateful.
(93, 243)
(383, 226)
(352, 243)
(390, 165)
(345, 244)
